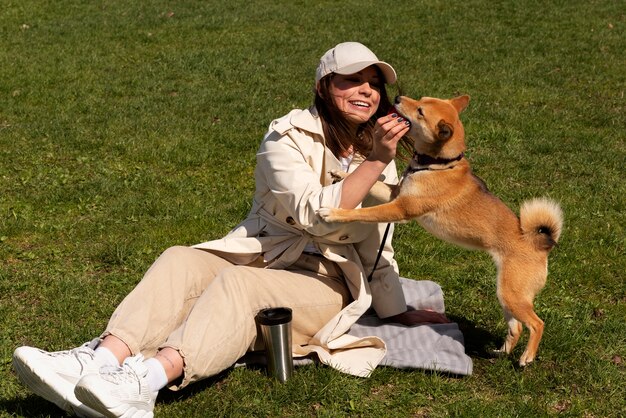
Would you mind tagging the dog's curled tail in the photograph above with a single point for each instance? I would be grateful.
(541, 221)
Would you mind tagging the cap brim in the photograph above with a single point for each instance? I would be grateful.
(388, 72)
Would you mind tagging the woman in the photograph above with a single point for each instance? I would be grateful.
(192, 315)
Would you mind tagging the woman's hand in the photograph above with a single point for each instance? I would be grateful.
(387, 132)
(419, 316)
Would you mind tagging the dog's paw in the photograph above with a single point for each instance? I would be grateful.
(324, 213)
(496, 352)
(328, 214)
(526, 359)
(337, 175)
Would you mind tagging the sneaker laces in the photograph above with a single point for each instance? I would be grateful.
(83, 354)
(128, 372)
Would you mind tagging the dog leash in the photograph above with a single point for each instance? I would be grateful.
(380, 252)
(417, 157)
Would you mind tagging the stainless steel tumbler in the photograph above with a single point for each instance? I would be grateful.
(275, 324)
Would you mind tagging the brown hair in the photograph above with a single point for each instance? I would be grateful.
(337, 130)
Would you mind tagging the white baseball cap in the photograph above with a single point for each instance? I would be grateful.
(350, 58)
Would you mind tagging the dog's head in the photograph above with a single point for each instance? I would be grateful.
(436, 128)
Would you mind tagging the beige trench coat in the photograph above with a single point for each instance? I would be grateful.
(292, 183)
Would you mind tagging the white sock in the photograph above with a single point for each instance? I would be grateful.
(105, 357)
(157, 379)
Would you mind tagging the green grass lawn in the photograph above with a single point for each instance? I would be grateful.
(128, 126)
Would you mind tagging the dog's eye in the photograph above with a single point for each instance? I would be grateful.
(420, 112)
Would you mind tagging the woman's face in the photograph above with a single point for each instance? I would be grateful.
(357, 95)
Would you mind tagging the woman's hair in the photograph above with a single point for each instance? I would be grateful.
(337, 130)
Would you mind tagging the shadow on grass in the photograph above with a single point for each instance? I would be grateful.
(37, 407)
(31, 406)
(169, 396)
(479, 342)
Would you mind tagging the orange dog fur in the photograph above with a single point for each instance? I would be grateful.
(439, 190)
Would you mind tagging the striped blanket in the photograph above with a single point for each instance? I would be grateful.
(436, 347)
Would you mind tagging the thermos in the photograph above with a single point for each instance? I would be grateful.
(275, 324)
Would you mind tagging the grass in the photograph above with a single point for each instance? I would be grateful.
(128, 127)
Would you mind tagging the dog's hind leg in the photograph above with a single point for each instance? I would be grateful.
(512, 337)
(522, 311)
(535, 326)
(517, 287)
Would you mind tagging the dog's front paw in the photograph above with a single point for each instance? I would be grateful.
(327, 214)
(337, 175)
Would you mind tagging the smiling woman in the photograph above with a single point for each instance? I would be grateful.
(357, 95)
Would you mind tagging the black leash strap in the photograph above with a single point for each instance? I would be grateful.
(380, 252)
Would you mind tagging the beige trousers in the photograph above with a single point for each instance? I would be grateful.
(204, 307)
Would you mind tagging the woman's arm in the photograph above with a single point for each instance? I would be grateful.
(419, 316)
(387, 132)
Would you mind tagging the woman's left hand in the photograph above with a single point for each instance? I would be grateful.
(419, 316)
(387, 132)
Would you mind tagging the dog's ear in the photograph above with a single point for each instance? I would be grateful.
(444, 130)
(460, 102)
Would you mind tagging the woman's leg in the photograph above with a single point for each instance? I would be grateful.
(161, 301)
(221, 326)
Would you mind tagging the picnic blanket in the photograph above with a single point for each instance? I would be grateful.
(436, 347)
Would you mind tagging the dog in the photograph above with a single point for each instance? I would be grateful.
(439, 190)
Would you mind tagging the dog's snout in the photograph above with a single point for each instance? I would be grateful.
(397, 99)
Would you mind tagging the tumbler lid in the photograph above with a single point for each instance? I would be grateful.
(274, 316)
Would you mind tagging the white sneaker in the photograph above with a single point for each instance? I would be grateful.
(53, 375)
(119, 391)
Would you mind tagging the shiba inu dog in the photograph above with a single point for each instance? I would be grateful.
(439, 190)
